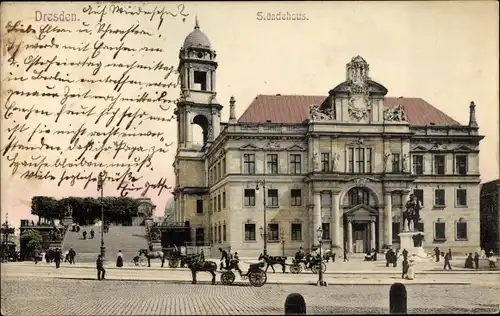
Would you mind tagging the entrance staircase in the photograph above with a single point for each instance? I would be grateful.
(128, 239)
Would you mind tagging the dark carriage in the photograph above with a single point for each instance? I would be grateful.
(300, 263)
(255, 274)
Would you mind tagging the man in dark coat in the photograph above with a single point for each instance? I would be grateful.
(84, 234)
(437, 253)
(100, 268)
(405, 268)
(447, 258)
(449, 253)
(92, 234)
(57, 257)
(469, 262)
(476, 260)
(224, 257)
(72, 255)
(345, 255)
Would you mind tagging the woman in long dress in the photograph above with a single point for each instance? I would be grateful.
(119, 259)
(410, 274)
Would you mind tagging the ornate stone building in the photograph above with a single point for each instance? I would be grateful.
(346, 161)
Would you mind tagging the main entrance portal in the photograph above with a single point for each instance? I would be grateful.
(361, 221)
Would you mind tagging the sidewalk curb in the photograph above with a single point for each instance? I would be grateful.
(242, 283)
(397, 272)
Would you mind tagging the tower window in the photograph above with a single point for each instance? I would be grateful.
(200, 80)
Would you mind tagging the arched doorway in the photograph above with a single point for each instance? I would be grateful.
(200, 130)
(361, 220)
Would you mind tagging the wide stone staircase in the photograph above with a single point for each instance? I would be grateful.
(128, 239)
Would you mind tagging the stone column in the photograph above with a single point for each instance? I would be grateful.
(213, 80)
(317, 214)
(373, 235)
(193, 235)
(191, 78)
(336, 220)
(189, 136)
(209, 81)
(388, 218)
(215, 124)
(405, 197)
(349, 236)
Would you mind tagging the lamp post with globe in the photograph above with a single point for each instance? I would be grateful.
(319, 236)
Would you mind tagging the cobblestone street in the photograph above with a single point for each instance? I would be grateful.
(48, 296)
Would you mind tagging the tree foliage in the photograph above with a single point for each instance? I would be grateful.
(86, 210)
(34, 240)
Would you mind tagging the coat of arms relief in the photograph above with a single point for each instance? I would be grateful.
(358, 90)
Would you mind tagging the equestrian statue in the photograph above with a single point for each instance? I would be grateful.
(411, 216)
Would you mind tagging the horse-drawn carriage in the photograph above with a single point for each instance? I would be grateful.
(255, 274)
(307, 262)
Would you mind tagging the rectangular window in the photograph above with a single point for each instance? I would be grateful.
(272, 163)
(273, 232)
(461, 197)
(461, 231)
(419, 193)
(220, 170)
(211, 176)
(360, 162)
(439, 197)
(216, 174)
(297, 232)
(219, 204)
(215, 204)
(440, 231)
(326, 231)
(249, 163)
(368, 160)
(224, 200)
(219, 233)
(418, 164)
(224, 166)
(249, 197)
(296, 197)
(461, 164)
(199, 206)
(215, 234)
(295, 163)
(272, 197)
(439, 164)
(396, 163)
(325, 162)
(249, 232)
(395, 231)
(224, 233)
(200, 236)
(350, 160)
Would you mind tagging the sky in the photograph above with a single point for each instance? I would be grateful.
(443, 52)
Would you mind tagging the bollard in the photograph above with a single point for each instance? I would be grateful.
(397, 299)
(295, 304)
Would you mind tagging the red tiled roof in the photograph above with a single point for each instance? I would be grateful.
(293, 109)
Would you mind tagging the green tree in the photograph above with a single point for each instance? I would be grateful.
(33, 240)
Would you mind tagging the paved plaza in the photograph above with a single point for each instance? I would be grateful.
(50, 296)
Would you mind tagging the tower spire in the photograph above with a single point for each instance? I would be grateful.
(196, 25)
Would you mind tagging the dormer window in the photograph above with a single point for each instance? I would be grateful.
(200, 80)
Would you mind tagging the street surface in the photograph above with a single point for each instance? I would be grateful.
(52, 296)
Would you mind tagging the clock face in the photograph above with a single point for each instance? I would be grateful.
(200, 55)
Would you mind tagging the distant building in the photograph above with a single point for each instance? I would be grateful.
(346, 161)
(490, 216)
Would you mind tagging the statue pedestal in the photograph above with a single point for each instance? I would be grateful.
(67, 220)
(417, 254)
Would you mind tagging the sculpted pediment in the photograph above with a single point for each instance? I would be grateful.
(363, 211)
(439, 146)
(362, 180)
(249, 147)
(419, 148)
(464, 148)
(295, 148)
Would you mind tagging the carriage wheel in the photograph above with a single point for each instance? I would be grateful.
(143, 262)
(131, 263)
(227, 277)
(295, 269)
(173, 263)
(315, 269)
(257, 278)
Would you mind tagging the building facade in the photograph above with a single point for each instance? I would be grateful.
(490, 216)
(346, 161)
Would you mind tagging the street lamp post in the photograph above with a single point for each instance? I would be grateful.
(263, 230)
(100, 187)
(319, 235)
(282, 234)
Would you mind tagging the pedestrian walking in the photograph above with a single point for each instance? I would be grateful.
(100, 268)
(92, 233)
(447, 261)
(404, 272)
(57, 257)
(72, 255)
(345, 255)
(119, 259)
(437, 253)
(476, 260)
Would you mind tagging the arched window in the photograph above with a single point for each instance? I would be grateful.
(358, 196)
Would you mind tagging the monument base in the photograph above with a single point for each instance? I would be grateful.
(416, 253)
